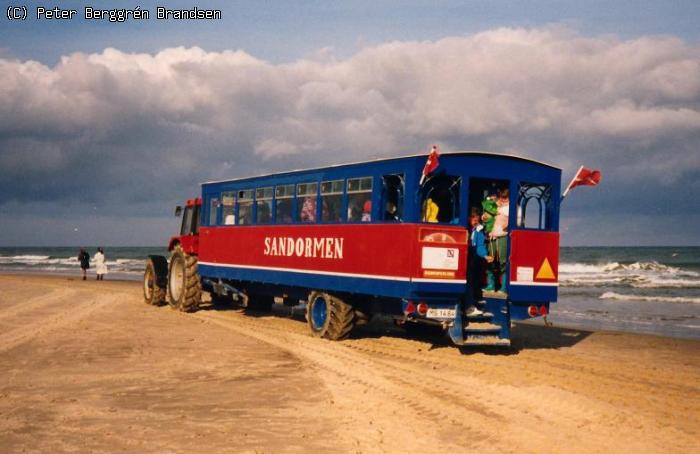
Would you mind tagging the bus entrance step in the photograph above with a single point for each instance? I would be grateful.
(486, 340)
(481, 327)
(496, 295)
(485, 317)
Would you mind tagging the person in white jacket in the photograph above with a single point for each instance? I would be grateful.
(100, 266)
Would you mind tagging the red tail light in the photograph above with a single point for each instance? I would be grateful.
(410, 308)
(422, 308)
(532, 311)
(543, 310)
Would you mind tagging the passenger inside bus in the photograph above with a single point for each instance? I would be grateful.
(264, 213)
(244, 214)
(308, 210)
(497, 229)
(393, 197)
(390, 212)
(360, 211)
(430, 211)
(367, 211)
(441, 199)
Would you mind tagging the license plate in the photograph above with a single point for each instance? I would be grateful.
(441, 313)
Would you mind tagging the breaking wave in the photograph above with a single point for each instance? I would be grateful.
(646, 275)
(53, 264)
(655, 299)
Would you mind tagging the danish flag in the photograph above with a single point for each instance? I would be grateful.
(431, 164)
(584, 177)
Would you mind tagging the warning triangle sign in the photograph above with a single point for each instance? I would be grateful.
(545, 271)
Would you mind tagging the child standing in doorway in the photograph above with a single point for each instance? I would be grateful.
(477, 257)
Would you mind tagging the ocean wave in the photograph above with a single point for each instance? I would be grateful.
(616, 267)
(656, 299)
(62, 264)
(23, 258)
(647, 275)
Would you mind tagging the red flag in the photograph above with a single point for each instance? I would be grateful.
(584, 177)
(431, 164)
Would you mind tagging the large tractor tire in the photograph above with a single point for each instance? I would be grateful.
(329, 317)
(184, 286)
(154, 286)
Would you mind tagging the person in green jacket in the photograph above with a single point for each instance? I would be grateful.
(490, 210)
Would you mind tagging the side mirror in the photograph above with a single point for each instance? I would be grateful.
(178, 211)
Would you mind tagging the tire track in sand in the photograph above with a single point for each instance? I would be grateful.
(440, 394)
(72, 311)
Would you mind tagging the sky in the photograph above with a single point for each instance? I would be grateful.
(105, 127)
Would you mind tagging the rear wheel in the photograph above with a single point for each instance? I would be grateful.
(329, 317)
(152, 293)
(184, 287)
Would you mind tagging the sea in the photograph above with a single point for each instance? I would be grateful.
(653, 290)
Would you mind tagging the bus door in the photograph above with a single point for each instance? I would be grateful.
(534, 245)
(483, 198)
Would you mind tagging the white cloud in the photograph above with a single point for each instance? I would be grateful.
(182, 115)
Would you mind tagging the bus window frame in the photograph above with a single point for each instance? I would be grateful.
(372, 198)
(300, 203)
(251, 200)
(343, 199)
(286, 196)
(547, 208)
(221, 216)
(271, 199)
(401, 208)
(459, 179)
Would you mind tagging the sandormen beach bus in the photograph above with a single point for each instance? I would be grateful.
(353, 241)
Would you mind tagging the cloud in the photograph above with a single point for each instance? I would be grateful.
(116, 127)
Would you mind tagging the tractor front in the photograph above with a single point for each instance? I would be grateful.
(177, 281)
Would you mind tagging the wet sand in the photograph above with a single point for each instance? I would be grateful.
(87, 366)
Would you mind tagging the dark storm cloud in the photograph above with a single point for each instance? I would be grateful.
(134, 132)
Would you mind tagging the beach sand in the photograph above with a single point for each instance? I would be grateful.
(87, 366)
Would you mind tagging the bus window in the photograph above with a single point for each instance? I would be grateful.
(534, 206)
(284, 195)
(306, 201)
(392, 197)
(213, 208)
(245, 207)
(360, 199)
(332, 200)
(263, 203)
(441, 199)
(228, 203)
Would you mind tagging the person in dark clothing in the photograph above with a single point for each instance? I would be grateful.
(477, 258)
(84, 259)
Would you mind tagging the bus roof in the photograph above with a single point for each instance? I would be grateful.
(447, 153)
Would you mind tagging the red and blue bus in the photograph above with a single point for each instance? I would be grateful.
(356, 240)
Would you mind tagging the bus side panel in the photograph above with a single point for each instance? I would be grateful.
(373, 259)
(534, 266)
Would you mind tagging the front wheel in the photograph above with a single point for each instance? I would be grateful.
(152, 293)
(184, 287)
(329, 317)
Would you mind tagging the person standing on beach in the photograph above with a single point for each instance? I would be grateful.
(84, 259)
(100, 266)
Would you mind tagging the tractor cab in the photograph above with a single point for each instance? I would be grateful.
(188, 239)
